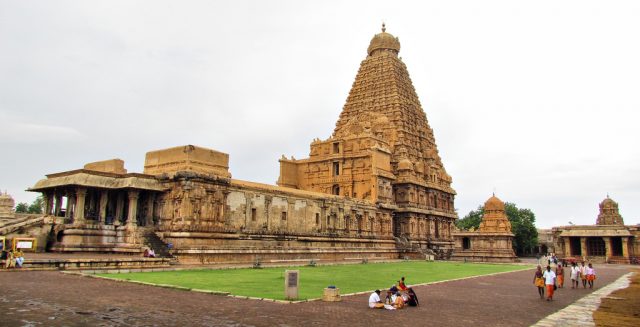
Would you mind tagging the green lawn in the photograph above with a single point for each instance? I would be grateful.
(269, 282)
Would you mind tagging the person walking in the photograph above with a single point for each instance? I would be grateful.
(591, 275)
(538, 281)
(575, 275)
(550, 282)
(583, 275)
(560, 275)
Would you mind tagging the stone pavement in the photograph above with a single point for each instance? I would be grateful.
(52, 299)
(581, 312)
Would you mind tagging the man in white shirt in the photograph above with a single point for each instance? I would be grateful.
(374, 300)
(549, 281)
(575, 275)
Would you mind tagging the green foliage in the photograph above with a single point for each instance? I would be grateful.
(269, 282)
(522, 226)
(35, 206)
(472, 219)
(22, 207)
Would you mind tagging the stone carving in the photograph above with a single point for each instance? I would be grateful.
(492, 241)
(377, 175)
(6, 206)
(609, 213)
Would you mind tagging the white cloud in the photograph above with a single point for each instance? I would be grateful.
(537, 100)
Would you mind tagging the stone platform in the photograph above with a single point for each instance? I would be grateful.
(83, 261)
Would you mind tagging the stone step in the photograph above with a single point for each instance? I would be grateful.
(92, 263)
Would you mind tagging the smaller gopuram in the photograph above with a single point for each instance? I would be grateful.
(6, 206)
(609, 240)
(492, 241)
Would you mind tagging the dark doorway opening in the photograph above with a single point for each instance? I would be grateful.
(595, 247)
(576, 248)
(466, 243)
(616, 246)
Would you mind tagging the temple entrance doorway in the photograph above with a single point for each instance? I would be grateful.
(616, 246)
(595, 247)
(466, 243)
(576, 249)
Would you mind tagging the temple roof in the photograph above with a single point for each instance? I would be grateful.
(96, 179)
(384, 41)
(495, 219)
(609, 213)
(494, 204)
(383, 102)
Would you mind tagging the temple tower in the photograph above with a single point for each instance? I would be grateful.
(6, 206)
(494, 219)
(609, 213)
(383, 151)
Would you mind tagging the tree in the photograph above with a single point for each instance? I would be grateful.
(472, 219)
(22, 207)
(37, 205)
(522, 226)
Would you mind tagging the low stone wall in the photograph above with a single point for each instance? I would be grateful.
(214, 248)
(484, 256)
(94, 264)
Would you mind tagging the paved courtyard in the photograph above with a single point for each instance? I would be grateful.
(46, 298)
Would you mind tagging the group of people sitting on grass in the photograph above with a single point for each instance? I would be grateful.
(398, 297)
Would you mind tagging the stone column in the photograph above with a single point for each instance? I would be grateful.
(119, 209)
(567, 247)
(67, 213)
(150, 200)
(102, 212)
(607, 247)
(81, 193)
(58, 204)
(583, 246)
(625, 247)
(133, 208)
(48, 202)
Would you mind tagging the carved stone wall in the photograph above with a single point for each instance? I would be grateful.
(382, 151)
(609, 213)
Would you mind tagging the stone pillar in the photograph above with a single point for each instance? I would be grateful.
(625, 247)
(583, 246)
(150, 200)
(133, 208)
(81, 193)
(48, 202)
(67, 213)
(607, 247)
(119, 208)
(73, 199)
(567, 247)
(102, 211)
(58, 204)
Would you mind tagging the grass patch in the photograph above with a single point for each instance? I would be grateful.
(269, 282)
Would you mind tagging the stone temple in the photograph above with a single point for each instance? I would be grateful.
(609, 240)
(6, 206)
(375, 189)
(492, 241)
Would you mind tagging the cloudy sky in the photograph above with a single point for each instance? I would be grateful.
(537, 100)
